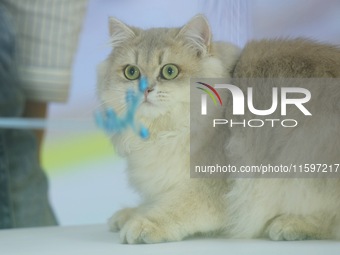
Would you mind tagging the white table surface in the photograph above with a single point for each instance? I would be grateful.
(96, 240)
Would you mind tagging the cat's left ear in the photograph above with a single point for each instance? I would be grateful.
(197, 32)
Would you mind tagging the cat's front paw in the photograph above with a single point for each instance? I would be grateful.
(287, 228)
(143, 230)
(118, 220)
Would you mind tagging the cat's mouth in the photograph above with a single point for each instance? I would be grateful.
(148, 102)
(146, 94)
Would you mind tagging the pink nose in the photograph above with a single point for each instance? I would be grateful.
(147, 91)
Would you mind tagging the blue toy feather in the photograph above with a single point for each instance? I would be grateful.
(110, 122)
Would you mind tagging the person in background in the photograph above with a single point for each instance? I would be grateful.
(38, 41)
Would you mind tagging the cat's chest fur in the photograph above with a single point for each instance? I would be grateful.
(158, 165)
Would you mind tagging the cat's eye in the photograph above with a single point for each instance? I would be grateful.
(169, 72)
(131, 72)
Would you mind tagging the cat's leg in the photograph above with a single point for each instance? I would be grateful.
(173, 218)
(292, 227)
(118, 219)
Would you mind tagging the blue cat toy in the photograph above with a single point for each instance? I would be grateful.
(111, 123)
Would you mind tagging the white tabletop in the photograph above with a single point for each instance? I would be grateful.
(96, 240)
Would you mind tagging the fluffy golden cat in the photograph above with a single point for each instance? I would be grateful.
(175, 206)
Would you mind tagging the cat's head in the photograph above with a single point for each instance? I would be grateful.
(167, 57)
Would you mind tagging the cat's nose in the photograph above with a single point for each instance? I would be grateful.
(147, 91)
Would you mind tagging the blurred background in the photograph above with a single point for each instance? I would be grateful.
(87, 180)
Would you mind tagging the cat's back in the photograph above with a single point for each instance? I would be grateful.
(288, 58)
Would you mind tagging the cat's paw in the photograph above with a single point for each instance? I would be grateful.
(286, 228)
(143, 230)
(118, 220)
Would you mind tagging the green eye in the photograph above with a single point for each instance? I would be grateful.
(169, 71)
(131, 72)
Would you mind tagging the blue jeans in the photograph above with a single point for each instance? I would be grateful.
(23, 184)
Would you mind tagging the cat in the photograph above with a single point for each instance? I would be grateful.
(175, 206)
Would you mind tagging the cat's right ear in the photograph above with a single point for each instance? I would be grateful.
(197, 34)
(119, 32)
